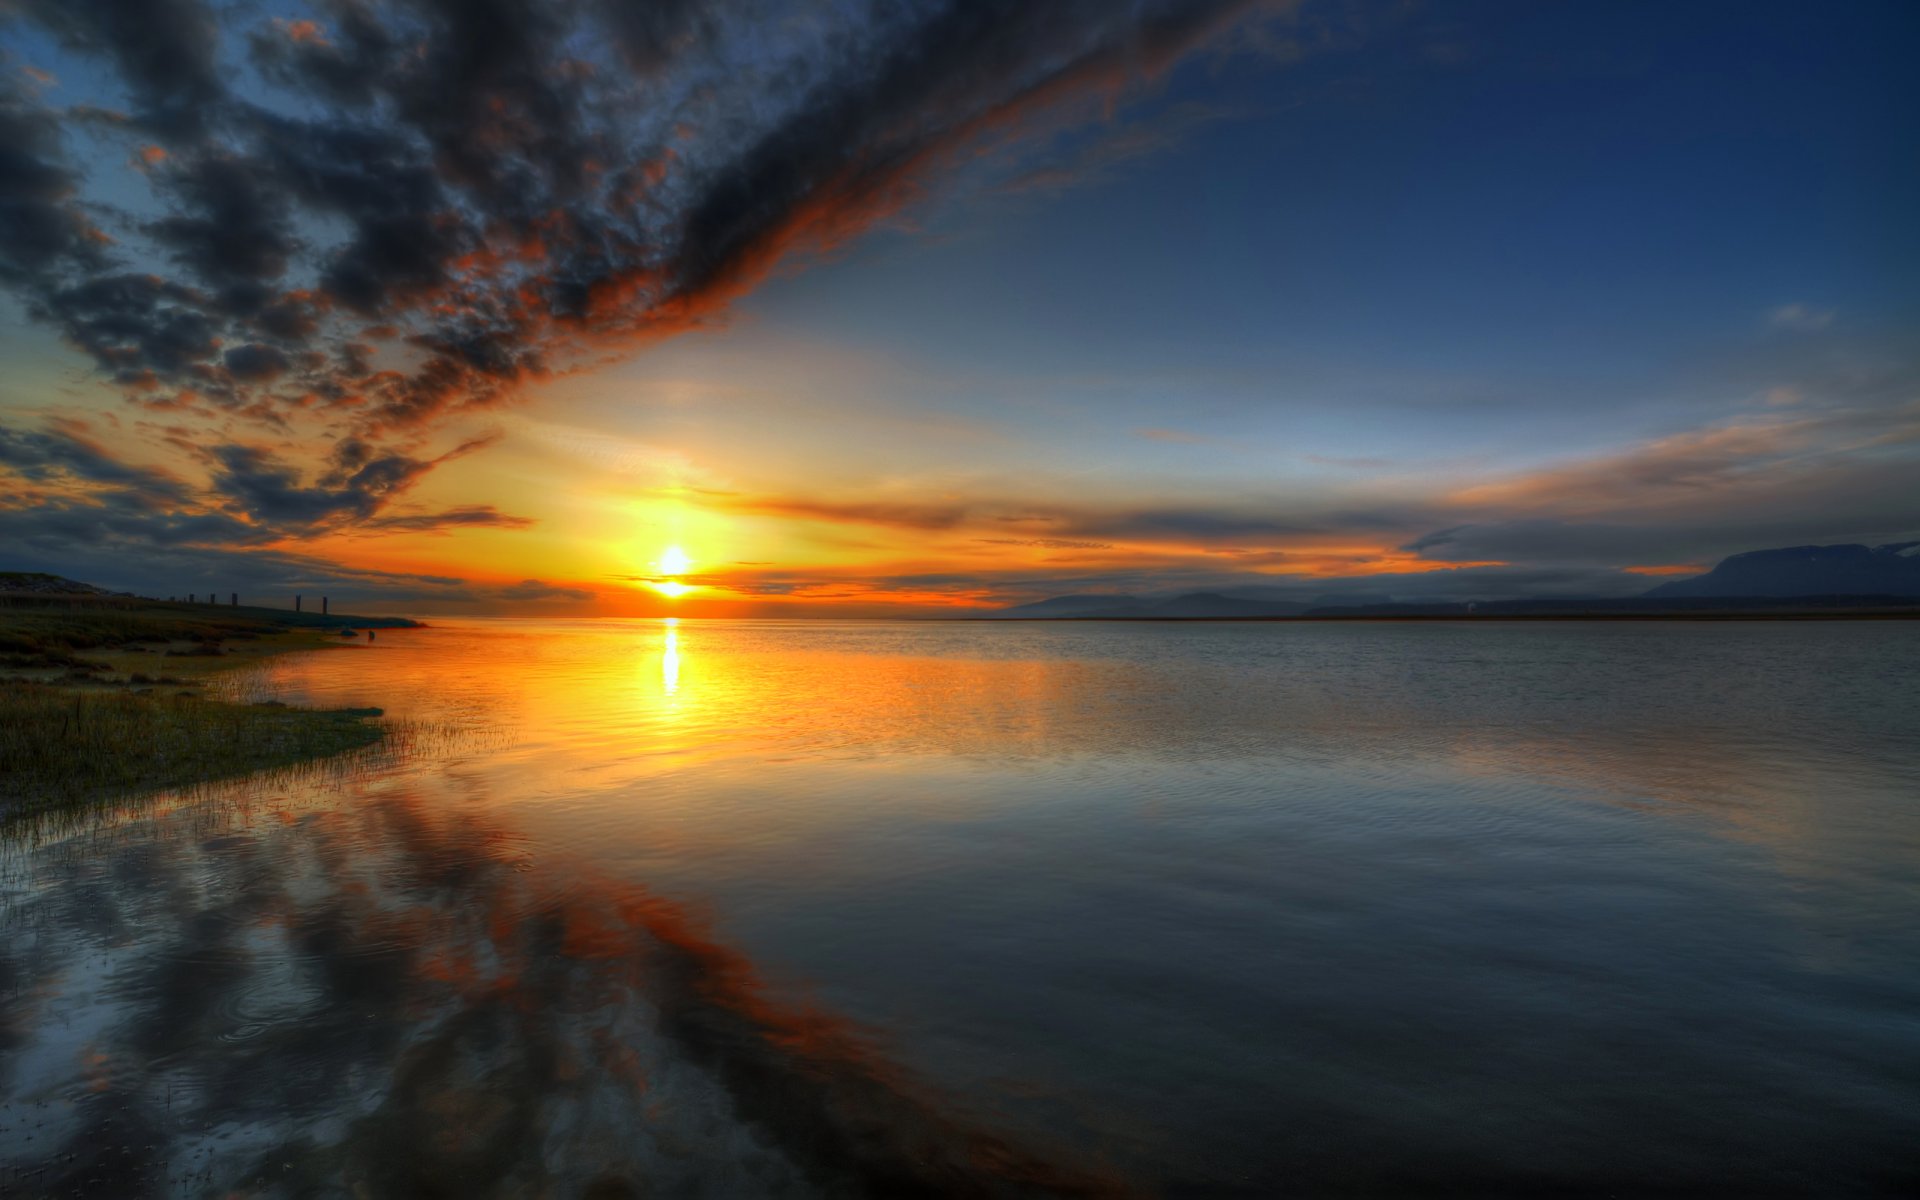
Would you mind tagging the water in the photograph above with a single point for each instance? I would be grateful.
(745, 909)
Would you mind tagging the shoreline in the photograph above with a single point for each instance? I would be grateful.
(104, 698)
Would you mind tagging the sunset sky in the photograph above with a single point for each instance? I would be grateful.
(776, 308)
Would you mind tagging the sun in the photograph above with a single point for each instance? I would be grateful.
(673, 561)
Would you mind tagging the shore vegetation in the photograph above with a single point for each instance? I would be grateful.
(104, 697)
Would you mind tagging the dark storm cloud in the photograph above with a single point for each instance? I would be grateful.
(66, 500)
(1435, 540)
(233, 229)
(116, 522)
(535, 589)
(42, 456)
(454, 518)
(40, 222)
(164, 52)
(501, 186)
(271, 490)
(255, 363)
(363, 481)
(118, 541)
(141, 329)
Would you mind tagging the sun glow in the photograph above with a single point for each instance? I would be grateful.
(673, 561)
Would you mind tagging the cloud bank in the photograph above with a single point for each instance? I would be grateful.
(404, 209)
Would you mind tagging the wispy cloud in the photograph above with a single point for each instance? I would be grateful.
(1121, 143)
(1175, 436)
(57, 484)
(1801, 318)
(890, 514)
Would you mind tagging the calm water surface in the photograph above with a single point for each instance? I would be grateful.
(798, 909)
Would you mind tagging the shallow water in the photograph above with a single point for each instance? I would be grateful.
(762, 908)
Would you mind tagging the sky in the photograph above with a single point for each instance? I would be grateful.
(762, 308)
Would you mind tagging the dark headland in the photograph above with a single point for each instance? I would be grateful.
(102, 694)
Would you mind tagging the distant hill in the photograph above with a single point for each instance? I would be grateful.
(1809, 579)
(1190, 607)
(1853, 570)
(1632, 606)
(39, 583)
(1214, 605)
(1070, 606)
(38, 589)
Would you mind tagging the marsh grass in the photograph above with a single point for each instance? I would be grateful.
(50, 628)
(61, 747)
(215, 806)
(94, 705)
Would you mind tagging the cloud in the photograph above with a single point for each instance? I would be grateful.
(52, 455)
(254, 481)
(42, 225)
(454, 518)
(361, 482)
(1843, 474)
(1435, 540)
(1227, 524)
(890, 515)
(1801, 318)
(1048, 543)
(502, 188)
(1680, 466)
(1121, 143)
(65, 500)
(118, 544)
(535, 589)
(1839, 468)
(163, 51)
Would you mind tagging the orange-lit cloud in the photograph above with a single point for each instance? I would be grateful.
(1683, 569)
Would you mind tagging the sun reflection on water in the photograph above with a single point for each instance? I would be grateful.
(670, 658)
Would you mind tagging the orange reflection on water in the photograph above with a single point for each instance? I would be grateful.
(674, 737)
(670, 657)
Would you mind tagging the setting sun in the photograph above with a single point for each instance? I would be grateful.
(673, 561)
(1293, 597)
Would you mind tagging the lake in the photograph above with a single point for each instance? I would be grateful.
(646, 908)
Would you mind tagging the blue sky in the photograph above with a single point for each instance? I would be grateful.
(1260, 295)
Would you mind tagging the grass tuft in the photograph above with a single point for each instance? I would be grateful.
(78, 731)
(60, 747)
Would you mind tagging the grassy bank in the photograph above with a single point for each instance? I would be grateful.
(61, 746)
(101, 698)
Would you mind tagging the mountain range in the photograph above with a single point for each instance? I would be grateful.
(1823, 576)
(1854, 570)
